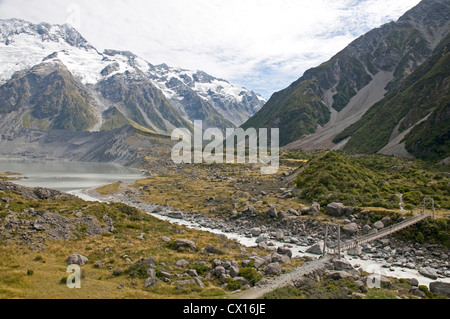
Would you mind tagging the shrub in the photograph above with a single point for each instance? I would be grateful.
(251, 275)
(426, 291)
(233, 285)
(420, 238)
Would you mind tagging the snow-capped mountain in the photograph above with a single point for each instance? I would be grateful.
(111, 88)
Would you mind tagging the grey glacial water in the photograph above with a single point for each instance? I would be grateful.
(65, 176)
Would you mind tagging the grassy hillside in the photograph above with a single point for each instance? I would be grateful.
(297, 111)
(372, 181)
(34, 252)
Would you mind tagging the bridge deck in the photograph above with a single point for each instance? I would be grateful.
(380, 234)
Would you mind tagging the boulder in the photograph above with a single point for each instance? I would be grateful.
(315, 209)
(282, 259)
(258, 261)
(218, 271)
(342, 264)
(249, 211)
(273, 269)
(213, 250)
(378, 225)
(242, 280)
(338, 274)
(151, 280)
(366, 229)
(440, 288)
(413, 281)
(428, 272)
(77, 259)
(255, 232)
(185, 243)
(182, 263)
(336, 209)
(284, 251)
(355, 251)
(272, 212)
(175, 215)
(315, 250)
(198, 282)
(350, 229)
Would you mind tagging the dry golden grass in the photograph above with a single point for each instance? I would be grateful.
(36, 274)
(198, 188)
(109, 189)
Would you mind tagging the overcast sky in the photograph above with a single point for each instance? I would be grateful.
(263, 45)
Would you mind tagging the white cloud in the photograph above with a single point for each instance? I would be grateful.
(261, 44)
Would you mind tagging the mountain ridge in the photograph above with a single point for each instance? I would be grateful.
(144, 99)
(328, 99)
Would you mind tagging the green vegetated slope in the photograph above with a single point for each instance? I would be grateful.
(424, 93)
(50, 97)
(372, 181)
(297, 111)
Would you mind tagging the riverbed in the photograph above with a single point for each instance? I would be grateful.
(77, 178)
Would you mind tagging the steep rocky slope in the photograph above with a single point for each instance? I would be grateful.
(328, 99)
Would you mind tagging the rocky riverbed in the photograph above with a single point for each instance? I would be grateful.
(304, 235)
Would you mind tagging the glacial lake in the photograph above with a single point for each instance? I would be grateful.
(65, 176)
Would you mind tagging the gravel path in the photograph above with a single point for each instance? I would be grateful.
(285, 279)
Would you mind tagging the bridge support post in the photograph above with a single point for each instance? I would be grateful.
(325, 241)
(339, 240)
(426, 201)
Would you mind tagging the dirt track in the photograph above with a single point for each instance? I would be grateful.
(285, 279)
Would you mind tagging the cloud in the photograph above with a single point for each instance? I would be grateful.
(261, 44)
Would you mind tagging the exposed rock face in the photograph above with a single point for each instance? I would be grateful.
(336, 209)
(30, 224)
(440, 288)
(77, 259)
(32, 193)
(332, 97)
(185, 243)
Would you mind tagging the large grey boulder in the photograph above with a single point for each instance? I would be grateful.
(213, 250)
(284, 251)
(366, 229)
(440, 288)
(151, 280)
(185, 243)
(315, 209)
(378, 225)
(315, 250)
(272, 212)
(282, 259)
(350, 229)
(255, 232)
(258, 261)
(273, 269)
(342, 264)
(77, 259)
(428, 272)
(336, 209)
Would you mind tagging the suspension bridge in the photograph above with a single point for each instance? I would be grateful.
(362, 240)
